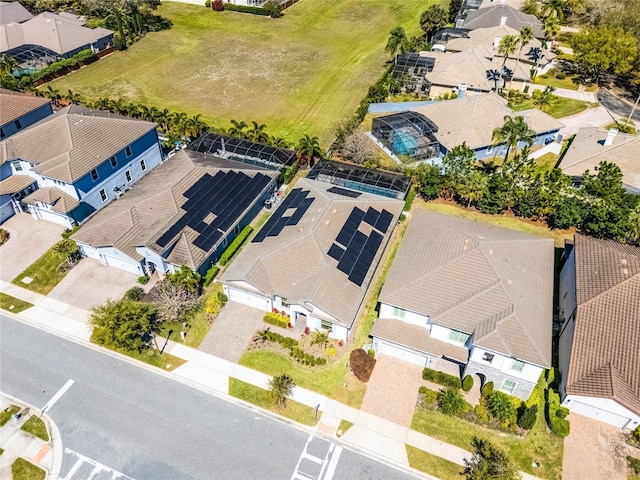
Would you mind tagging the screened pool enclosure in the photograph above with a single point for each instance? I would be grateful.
(407, 133)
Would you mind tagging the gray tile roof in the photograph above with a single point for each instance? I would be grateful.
(13, 12)
(60, 201)
(295, 264)
(473, 118)
(15, 184)
(494, 283)
(605, 354)
(153, 204)
(492, 17)
(587, 150)
(66, 146)
(14, 105)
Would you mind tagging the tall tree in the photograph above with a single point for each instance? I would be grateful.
(308, 149)
(454, 9)
(257, 132)
(494, 76)
(237, 129)
(457, 164)
(474, 187)
(543, 99)
(512, 133)
(488, 463)
(281, 388)
(535, 55)
(554, 8)
(525, 38)
(507, 47)
(398, 42)
(551, 27)
(124, 324)
(433, 19)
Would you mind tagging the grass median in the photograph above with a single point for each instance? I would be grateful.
(45, 273)
(22, 469)
(13, 304)
(432, 464)
(36, 427)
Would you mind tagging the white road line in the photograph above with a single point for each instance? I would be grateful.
(57, 396)
(313, 458)
(74, 469)
(294, 476)
(324, 464)
(333, 464)
(94, 472)
(98, 467)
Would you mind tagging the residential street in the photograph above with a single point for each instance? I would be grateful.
(119, 419)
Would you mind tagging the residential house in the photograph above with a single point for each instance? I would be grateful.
(316, 256)
(470, 119)
(469, 299)
(79, 159)
(49, 37)
(185, 212)
(13, 12)
(599, 318)
(19, 110)
(499, 15)
(593, 145)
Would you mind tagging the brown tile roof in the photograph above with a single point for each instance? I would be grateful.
(494, 283)
(153, 204)
(60, 201)
(15, 184)
(605, 354)
(587, 150)
(66, 146)
(14, 105)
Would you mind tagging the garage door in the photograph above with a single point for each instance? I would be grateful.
(402, 354)
(53, 218)
(598, 414)
(122, 264)
(246, 298)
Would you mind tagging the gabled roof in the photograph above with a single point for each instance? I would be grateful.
(473, 118)
(296, 263)
(14, 105)
(605, 354)
(587, 150)
(13, 12)
(15, 184)
(492, 17)
(491, 282)
(60, 201)
(60, 34)
(66, 146)
(157, 203)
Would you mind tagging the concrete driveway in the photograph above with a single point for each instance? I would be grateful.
(90, 283)
(29, 239)
(591, 117)
(392, 390)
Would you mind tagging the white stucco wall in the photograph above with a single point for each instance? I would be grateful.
(387, 311)
(503, 363)
(602, 409)
(112, 257)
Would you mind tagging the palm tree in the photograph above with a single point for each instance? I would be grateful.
(474, 187)
(256, 133)
(507, 47)
(176, 121)
(72, 97)
(634, 223)
(543, 99)
(511, 133)
(494, 76)
(535, 55)
(196, 126)
(237, 128)
(432, 19)
(171, 139)
(308, 149)
(278, 142)
(8, 65)
(162, 118)
(397, 42)
(120, 17)
(52, 94)
(188, 278)
(525, 38)
(553, 9)
(103, 104)
(551, 28)
(281, 388)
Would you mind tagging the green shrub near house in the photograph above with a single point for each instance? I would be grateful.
(244, 9)
(467, 383)
(441, 378)
(210, 275)
(276, 319)
(235, 245)
(487, 389)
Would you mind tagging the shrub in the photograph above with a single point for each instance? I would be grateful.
(450, 401)
(276, 319)
(559, 426)
(274, 7)
(331, 351)
(217, 5)
(143, 280)
(290, 172)
(210, 275)
(481, 411)
(70, 231)
(467, 383)
(561, 75)
(222, 297)
(411, 195)
(4, 236)
(371, 352)
(440, 377)
(634, 464)
(562, 412)
(361, 364)
(83, 56)
(553, 376)
(134, 293)
(235, 245)
(244, 9)
(430, 396)
(636, 434)
(207, 3)
(528, 417)
(501, 406)
(487, 389)
(213, 305)
(422, 390)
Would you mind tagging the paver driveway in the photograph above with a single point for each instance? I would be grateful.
(392, 390)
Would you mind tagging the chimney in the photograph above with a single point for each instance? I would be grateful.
(462, 89)
(610, 136)
(503, 21)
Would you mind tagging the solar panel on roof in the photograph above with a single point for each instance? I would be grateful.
(371, 217)
(363, 263)
(384, 221)
(345, 192)
(296, 199)
(336, 252)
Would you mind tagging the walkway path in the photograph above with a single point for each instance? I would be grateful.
(382, 438)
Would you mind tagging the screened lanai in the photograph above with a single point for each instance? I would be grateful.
(407, 133)
(411, 69)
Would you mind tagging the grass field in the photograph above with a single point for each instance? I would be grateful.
(562, 107)
(432, 464)
(46, 273)
(297, 74)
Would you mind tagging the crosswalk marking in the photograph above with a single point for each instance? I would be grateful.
(328, 464)
(97, 468)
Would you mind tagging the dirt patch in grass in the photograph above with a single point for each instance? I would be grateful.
(13, 304)
(432, 464)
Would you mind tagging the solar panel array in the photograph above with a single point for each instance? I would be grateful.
(345, 192)
(223, 197)
(298, 200)
(354, 250)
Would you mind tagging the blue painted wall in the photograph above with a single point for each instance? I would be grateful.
(26, 120)
(500, 150)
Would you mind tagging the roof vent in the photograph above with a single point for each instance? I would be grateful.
(610, 136)
(625, 272)
(503, 21)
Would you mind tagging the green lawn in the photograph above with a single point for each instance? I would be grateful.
(432, 464)
(297, 74)
(13, 304)
(5, 415)
(563, 107)
(36, 427)
(262, 398)
(546, 162)
(151, 356)
(46, 273)
(537, 446)
(21, 469)
(344, 426)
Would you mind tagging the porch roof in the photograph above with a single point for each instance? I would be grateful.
(15, 184)
(60, 201)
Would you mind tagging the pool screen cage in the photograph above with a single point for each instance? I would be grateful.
(407, 133)
(411, 69)
(243, 150)
(355, 177)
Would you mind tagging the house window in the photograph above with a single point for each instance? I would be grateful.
(398, 312)
(127, 175)
(103, 195)
(458, 336)
(17, 166)
(490, 149)
(127, 150)
(488, 357)
(94, 175)
(517, 365)
(114, 161)
(508, 386)
(143, 165)
(17, 124)
(326, 325)
(2, 134)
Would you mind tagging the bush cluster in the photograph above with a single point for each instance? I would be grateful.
(487, 389)
(634, 464)
(451, 401)
(290, 172)
(143, 279)
(70, 231)
(210, 275)
(235, 245)
(361, 364)
(4, 236)
(555, 415)
(245, 9)
(430, 397)
(467, 383)
(527, 416)
(84, 56)
(134, 293)
(502, 407)
(276, 319)
(442, 378)
(295, 351)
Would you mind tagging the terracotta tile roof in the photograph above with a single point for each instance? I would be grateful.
(60, 201)
(14, 105)
(605, 354)
(15, 184)
(494, 283)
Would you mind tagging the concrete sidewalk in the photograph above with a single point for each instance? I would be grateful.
(381, 438)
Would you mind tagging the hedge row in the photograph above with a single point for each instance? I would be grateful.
(276, 319)
(294, 350)
(556, 415)
(235, 245)
(210, 275)
(441, 378)
(83, 56)
(245, 9)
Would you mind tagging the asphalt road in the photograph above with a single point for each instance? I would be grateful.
(118, 418)
(616, 105)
